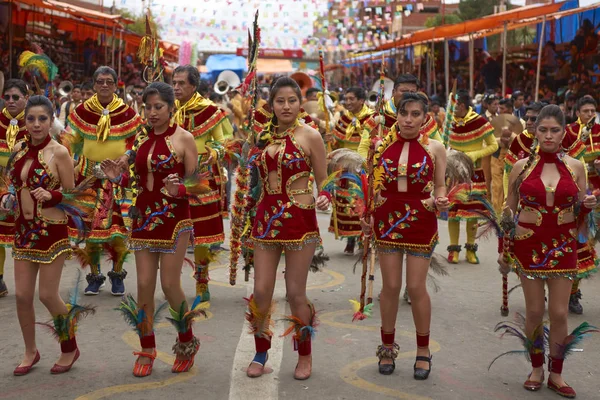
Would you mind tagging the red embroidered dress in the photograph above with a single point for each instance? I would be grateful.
(163, 218)
(282, 221)
(403, 220)
(7, 225)
(92, 148)
(549, 248)
(41, 239)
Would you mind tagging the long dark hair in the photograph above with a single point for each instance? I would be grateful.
(549, 111)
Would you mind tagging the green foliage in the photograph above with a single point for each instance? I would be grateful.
(437, 20)
(139, 23)
(472, 9)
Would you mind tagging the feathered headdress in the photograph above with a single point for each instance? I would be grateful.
(38, 65)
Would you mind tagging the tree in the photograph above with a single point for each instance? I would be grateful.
(139, 22)
(437, 20)
(472, 9)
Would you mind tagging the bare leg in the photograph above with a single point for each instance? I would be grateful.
(265, 274)
(416, 282)
(559, 291)
(391, 278)
(146, 264)
(25, 277)
(170, 277)
(297, 264)
(49, 284)
(535, 306)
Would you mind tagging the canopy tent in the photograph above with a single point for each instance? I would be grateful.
(218, 63)
(274, 66)
(494, 21)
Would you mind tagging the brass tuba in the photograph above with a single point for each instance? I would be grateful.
(226, 81)
(65, 88)
(388, 88)
(303, 80)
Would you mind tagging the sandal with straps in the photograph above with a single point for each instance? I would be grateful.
(142, 370)
(420, 373)
(258, 359)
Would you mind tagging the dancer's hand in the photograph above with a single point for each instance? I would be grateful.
(367, 228)
(111, 168)
(7, 202)
(41, 194)
(589, 201)
(503, 263)
(172, 183)
(123, 162)
(323, 203)
(442, 204)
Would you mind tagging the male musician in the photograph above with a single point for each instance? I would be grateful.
(12, 130)
(210, 127)
(104, 127)
(405, 83)
(138, 103)
(68, 106)
(355, 122)
(585, 126)
(473, 135)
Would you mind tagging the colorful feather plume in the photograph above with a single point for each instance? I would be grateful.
(535, 343)
(38, 65)
(117, 252)
(232, 150)
(79, 203)
(260, 323)
(63, 327)
(575, 338)
(182, 320)
(346, 160)
(137, 317)
(447, 128)
(197, 184)
(319, 260)
(301, 331)
(459, 168)
(359, 315)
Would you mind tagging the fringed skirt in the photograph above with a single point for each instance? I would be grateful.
(40, 240)
(107, 223)
(587, 261)
(547, 251)
(281, 223)
(163, 220)
(470, 210)
(344, 221)
(207, 218)
(405, 224)
(7, 230)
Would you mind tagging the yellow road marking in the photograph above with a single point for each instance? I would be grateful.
(132, 340)
(349, 373)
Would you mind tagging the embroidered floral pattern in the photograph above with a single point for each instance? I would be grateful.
(390, 171)
(273, 220)
(30, 232)
(293, 160)
(422, 170)
(551, 255)
(164, 162)
(154, 218)
(38, 178)
(397, 221)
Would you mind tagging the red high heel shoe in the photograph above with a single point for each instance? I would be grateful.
(185, 365)
(564, 391)
(533, 386)
(142, 370)
(61, 369)
(24, 370)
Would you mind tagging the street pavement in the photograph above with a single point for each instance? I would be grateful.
(465, 311)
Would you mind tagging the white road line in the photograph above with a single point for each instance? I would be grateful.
(267, 386)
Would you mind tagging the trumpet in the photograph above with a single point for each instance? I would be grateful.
(65, 88)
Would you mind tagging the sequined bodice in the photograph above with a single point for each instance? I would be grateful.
(157, 157)
(290, 164)
(533, 192)
(418, 171)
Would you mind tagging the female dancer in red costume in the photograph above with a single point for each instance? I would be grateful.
(286, 220)
(161, 226)
(413, 171)
(40, 169)
(549, 200)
